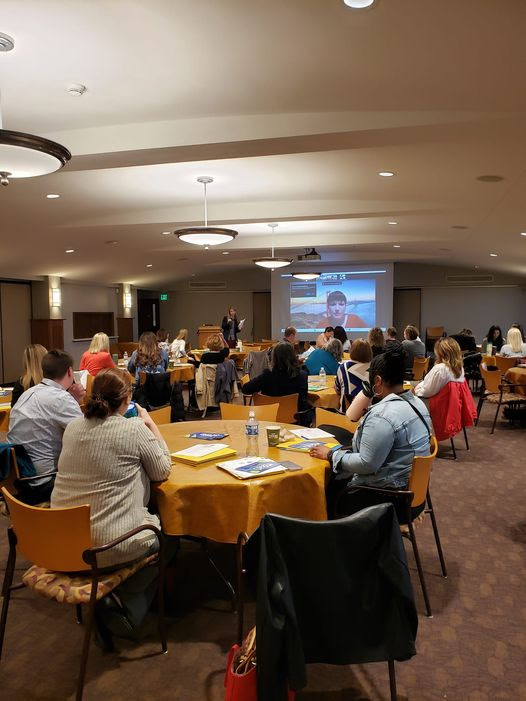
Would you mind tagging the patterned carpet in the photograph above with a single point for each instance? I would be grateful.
(473, 649)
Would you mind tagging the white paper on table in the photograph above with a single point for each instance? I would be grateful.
(201, 449)
(241, 324)
(310, 434)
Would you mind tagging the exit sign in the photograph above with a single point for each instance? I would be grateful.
(164, 296)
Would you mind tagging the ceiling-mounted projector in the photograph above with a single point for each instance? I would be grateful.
(310, 254)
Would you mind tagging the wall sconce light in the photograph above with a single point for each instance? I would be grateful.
(127, 300)
(56, 297)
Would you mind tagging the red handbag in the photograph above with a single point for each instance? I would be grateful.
(240, 675)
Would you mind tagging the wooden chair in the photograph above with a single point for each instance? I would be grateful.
(161, 416)
(420, 366)
(505, 364)
(288, 406)
(58, 542)
(324, 417)
(496, 391)
(89, 385)
(489, 360)
(263, 412)
(416, 494)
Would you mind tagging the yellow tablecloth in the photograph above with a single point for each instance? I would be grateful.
(206, 501)
(5, 411)
(518, 377)
(325, 398)
(182, 372)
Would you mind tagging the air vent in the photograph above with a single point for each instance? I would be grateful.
(207, 286)
(469, 278)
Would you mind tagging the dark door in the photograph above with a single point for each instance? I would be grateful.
(148, 315)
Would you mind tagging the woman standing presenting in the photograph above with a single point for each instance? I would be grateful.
(231, 327)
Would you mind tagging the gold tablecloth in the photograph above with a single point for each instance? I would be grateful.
(206, 501)
(182, 372)
(5, 411)
(518, 377)
(325, 398)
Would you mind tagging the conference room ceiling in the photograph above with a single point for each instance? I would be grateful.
(292, 106)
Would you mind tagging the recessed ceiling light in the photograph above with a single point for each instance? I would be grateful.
(358, 4)
(225, 253)
(396, 245)
(149, 265)
(52, 196)
(70, 250)
(166, 233)
(386, 174)
(392, 223)
(494, 255)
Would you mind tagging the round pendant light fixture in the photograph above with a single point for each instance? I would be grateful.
(205, 235)
(25, 155)
(359, 4)
(271, 262)
(306, 276)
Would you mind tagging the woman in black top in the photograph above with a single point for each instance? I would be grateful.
(494, 336)
(217, 350)
(285, 377)
(230, 326)
(32, 375)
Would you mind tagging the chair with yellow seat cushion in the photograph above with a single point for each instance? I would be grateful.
(505, 364)
(267, 412)
(416, 494)
(161, 416)
(58, 542)
(496, 390)
(288, 406)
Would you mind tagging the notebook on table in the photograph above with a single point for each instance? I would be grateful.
(201, 452)
(244, 468)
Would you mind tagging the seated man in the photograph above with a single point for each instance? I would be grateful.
(39, 418)
(290, 335)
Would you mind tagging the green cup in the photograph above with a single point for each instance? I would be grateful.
(273, 435)
(115, 357)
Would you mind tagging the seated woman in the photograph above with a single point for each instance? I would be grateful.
(393, 431)
(376, 341)
(325, 337)
(329, 358)
(448, 367)
(494, 336)
(32, 371)
(97, 357)
(148, 357)
(285, 376)
(341, 334)
(217, 350)
(178, 347)
(162, 339)
(351, 373)
(107, 461)
(514, 346)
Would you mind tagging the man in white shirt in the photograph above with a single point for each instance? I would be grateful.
(38, 420)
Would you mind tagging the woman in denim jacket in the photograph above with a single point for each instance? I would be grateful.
(393, 431)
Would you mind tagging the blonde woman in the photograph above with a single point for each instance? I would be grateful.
(514, 347)
(32, 374)
(97, 357)
(447, 368)
(178, 347)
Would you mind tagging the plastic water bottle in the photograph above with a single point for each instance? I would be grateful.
(125, 357)
(252, 434)
(323, 376)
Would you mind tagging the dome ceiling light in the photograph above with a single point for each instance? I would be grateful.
(272, 262)
(25, 155)
(205, 235)
(359, 4)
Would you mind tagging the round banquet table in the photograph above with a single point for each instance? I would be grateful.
(205, 501)
(326, 398)
(518, 377)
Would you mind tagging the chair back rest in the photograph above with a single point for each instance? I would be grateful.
(434, 331)
(89, 385)
(492, 379)
(421, 473)
(489, 360)
(51, 538)
(161, 416)
(504, 364)
(263, 412)
(288, 406)
(155, 388)
(324, 417)
(420, 366)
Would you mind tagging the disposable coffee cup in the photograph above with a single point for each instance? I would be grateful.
(115, 357)
(273, 435)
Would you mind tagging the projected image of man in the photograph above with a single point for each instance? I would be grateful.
(337, 312)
